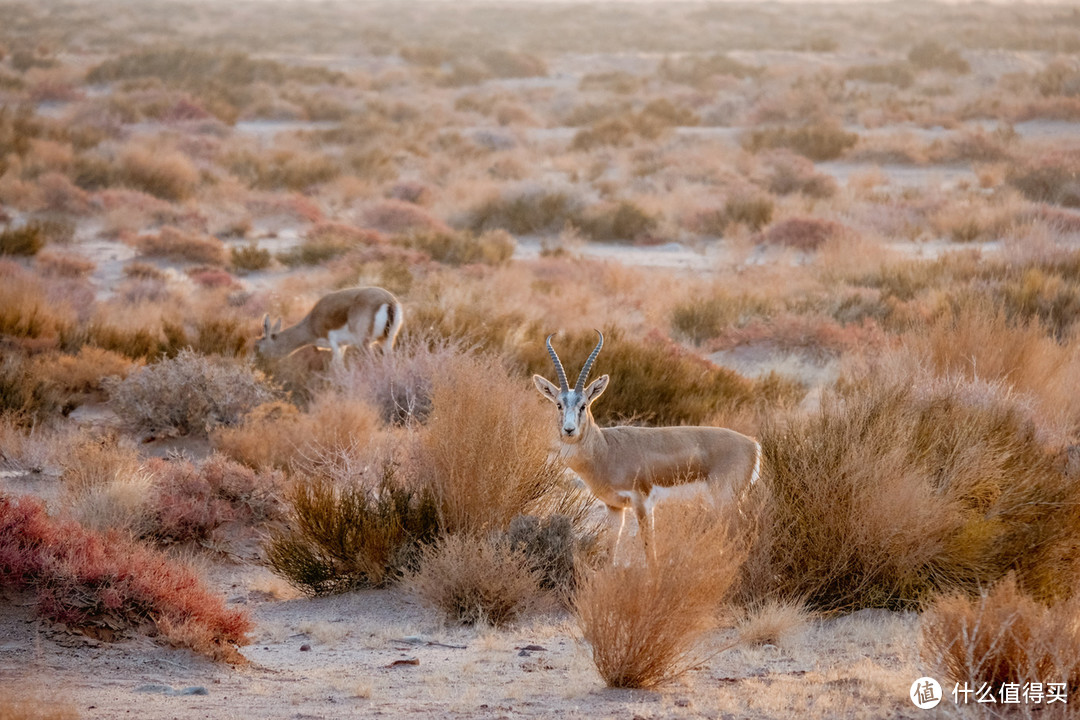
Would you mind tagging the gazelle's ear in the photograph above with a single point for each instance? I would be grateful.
(277, 326)
(266, 324)
(546, 388)
(596, 388)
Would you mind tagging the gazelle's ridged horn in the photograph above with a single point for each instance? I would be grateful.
(588, 364)
(558, 364)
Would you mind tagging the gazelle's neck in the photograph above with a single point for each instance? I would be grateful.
(582, 455)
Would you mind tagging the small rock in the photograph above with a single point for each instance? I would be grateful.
(534, 648)
(682, 702)
(406, 661)
(305, 647)
(524, 653)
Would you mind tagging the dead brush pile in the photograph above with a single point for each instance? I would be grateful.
(900, 488)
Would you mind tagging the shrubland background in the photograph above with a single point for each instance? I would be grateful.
(848, 230)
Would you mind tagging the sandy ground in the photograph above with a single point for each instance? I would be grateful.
(381, 654)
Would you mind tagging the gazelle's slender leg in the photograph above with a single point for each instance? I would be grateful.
(643, 510)
(617, 516)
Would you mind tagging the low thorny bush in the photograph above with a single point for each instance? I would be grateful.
(89, 579)
(187, 394)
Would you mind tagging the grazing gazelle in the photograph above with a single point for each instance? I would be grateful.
(638, 467)
(358, 316)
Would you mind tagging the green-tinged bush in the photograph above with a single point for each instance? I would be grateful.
(343, 537)
(525, 213)
(624, 220)
(249, 258)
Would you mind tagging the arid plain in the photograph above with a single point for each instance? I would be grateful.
(850, 231)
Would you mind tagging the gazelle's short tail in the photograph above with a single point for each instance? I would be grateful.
(388, 320)
(757, 463)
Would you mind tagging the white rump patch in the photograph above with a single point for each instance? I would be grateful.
(381, 317)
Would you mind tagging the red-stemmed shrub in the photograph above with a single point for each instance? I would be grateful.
(81, 576)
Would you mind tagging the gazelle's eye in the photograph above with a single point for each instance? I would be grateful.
(558, 405)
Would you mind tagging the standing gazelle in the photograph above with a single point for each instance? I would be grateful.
(638, 467)
(358, 316)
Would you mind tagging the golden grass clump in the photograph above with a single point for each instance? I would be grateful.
(770, 622)
(645, 622)
(1003, 636)
(167, 174)
(477, 580)
(278, 435)
(485, 450)
(175, 244)
(903, 486)
(18, 704)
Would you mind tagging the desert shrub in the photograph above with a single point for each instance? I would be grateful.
(699, 319)
(666, 112)
(397, 217)
(277, 435)
(513, 64)
(645, 621)
(1002, 636)
(750, 209)
(249, 258)
(493, 247)
(548, 545)
(175, 244)
(26, 240)
(165, 174)
(525, 213)
(699, 71)
(932, 55)
(283, 169)
(92, 461)
(485, 455)
(802, 233)
(474, 580)
(19, 704)
(819, 141)
(618, 131)
(343, 537)
(328, 240)
(186, 394)
(26, 310)
(1052, 178)
(624, 220)
(190, 501)
(227, 334)
(138, 343)
(64, 265)
(653, 381)
(900, 488)
(790, 173)
(25, 395)
(900, 74)
(86, 579)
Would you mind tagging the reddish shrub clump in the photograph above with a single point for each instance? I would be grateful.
(802, 233)
(194, 500)
(81, 576)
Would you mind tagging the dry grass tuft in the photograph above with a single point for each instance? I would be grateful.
(175, 244)
(645, 622)
(475, 580)
(1003, 636)
(771, 621)
(18, 704)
